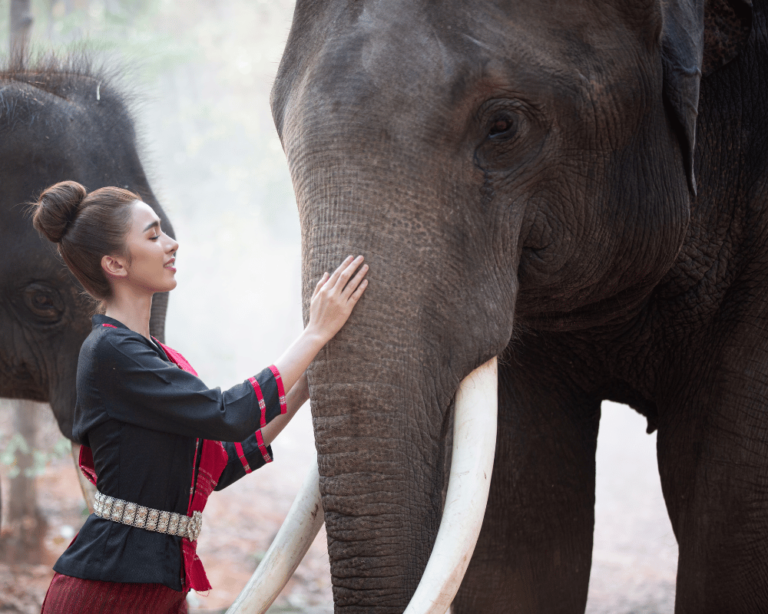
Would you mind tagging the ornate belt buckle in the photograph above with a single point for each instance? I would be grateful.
(195, 526)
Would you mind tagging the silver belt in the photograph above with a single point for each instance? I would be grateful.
(136, 515)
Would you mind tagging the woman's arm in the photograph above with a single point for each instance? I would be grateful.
(331, 305)
(254, 452)
(298, 395)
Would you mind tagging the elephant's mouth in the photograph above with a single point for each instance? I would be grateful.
(474, 447)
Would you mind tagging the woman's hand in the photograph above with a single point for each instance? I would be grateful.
(335, 296)
(332, 301)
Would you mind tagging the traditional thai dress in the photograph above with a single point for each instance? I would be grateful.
(156, 441)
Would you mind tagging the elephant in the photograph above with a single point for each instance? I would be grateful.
(61, 118)
(577, 189)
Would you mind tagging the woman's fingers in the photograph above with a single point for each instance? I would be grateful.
(336, 295)
(359, 292)
(348, 271)
(334, 278)
(320, 284)
(355, 282)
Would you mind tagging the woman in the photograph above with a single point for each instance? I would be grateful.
(155, 439)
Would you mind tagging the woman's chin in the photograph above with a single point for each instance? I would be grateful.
(166, 286)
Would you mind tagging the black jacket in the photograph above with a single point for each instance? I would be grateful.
(141, 415)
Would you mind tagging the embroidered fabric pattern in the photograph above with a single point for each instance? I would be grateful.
(241, 456)
(280, 388)
(260, 397)
(134, 515)
(263, 447)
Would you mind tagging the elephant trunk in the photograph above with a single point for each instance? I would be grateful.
(435, 309)
(474, 445)
(157, 316)
(382, 476)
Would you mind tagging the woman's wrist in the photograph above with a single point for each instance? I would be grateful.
(298, 395)
(316, 336)
(299, 355)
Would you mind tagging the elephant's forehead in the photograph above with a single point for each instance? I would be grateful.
(545, 46)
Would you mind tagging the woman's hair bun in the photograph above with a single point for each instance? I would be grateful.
(57, 208)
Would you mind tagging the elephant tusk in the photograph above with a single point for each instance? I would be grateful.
(287, 550)
(89, 490)
(474, 447)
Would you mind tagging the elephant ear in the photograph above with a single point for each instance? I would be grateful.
(727, 26)
(697, 36)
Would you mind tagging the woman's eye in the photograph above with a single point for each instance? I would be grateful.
(155, 238)
(500, 127)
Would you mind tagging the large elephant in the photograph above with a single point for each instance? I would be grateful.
(60, 119)
(578, 188)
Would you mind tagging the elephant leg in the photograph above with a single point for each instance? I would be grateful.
(713, 461)
(535, 549)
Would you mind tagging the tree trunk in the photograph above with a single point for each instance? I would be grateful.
(23, 539)
(21, 25)
(22, 497)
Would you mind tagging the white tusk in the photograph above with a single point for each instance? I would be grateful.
(474, 447)
(89, 490)
(287, 550)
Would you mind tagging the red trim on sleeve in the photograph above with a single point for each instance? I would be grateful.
(241, 456)
(280, 388)
(109, 325)
(263, 448)
(260, 397)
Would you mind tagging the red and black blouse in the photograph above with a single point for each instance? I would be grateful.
(147, 422)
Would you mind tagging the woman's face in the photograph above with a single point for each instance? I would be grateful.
(151, 252)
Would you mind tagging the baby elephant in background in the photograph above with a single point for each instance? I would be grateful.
(60, 119)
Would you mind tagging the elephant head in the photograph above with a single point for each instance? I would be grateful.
(502, 166)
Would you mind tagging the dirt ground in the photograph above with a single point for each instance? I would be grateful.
(634, 555)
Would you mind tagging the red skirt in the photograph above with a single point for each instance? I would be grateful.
(67, 595)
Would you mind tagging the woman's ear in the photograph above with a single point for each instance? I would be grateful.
(114, 266)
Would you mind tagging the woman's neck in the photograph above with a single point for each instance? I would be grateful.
(132, 310)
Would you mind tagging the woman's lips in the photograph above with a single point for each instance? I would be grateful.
(170, 264)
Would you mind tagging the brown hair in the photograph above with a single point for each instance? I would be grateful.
(86, 228)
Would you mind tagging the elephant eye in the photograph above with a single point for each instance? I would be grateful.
(501, 127)
(44, 302)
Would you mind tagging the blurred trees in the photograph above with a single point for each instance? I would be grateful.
(21, 24)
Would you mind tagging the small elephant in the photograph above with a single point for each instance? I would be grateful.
(59, 120)
(579, 189)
